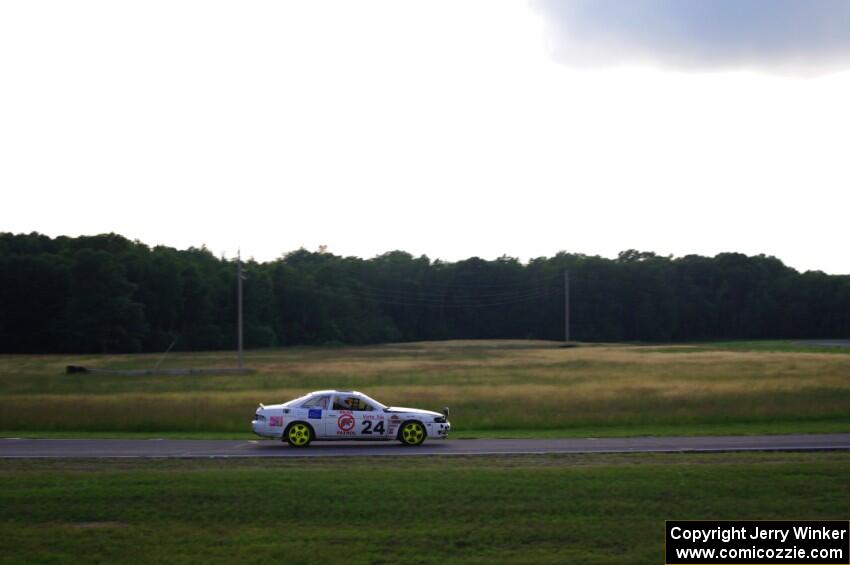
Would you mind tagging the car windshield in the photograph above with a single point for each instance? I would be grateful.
(373, 402)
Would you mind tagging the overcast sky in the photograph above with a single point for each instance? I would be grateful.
(451, 129)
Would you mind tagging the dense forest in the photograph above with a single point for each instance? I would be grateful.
(107, 293)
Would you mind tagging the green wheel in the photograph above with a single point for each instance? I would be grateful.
(298, 434)
(412, 433)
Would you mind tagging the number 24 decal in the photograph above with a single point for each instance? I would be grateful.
(367, 428)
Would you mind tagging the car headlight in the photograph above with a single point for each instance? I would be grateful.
(259, 417)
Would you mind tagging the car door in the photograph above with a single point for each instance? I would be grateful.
(371, 421)
(339, 420)
(352, 416)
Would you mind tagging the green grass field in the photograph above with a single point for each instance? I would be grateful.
(530, 509)
(494, 388)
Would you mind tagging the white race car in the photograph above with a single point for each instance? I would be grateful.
(347, 414)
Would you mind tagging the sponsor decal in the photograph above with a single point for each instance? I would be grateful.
(276, 421)
(394, 422)
(345, 422)
(315, 413)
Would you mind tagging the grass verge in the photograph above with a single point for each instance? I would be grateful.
(528, 509)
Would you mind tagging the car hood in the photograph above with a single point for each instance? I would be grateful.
(412, 411)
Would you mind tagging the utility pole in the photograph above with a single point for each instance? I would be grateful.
(566, 306)
(239, 303)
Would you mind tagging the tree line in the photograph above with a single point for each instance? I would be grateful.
(106, 293)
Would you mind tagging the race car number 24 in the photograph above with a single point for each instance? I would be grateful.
(368, 429)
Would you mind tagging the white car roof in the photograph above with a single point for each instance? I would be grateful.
(334, 391)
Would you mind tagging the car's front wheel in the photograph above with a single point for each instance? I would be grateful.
(298, 434)
(412, 433)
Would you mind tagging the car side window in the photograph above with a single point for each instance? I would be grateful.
(351, 403)
(316, 402)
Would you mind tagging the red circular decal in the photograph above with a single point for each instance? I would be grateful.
(345, 422)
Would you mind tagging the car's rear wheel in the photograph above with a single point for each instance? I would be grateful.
(298, 434)
(412, 433)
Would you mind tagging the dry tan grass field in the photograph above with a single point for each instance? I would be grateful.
(492, 387)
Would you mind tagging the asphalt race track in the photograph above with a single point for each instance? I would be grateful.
(826, 342)
(175, 448)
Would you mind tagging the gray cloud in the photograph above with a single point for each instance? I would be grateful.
(805, 36)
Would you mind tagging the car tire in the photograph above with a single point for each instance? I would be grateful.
(412, 433)
(298, 434)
